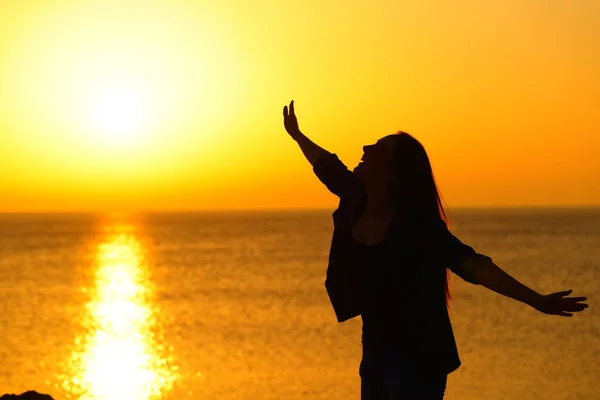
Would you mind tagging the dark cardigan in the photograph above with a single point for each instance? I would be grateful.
(421, 251)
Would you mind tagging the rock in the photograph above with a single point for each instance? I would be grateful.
(31, 395)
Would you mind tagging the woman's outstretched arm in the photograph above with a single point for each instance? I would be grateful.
(488, 274)
(312, 151)
(327, 166)
(479, 269)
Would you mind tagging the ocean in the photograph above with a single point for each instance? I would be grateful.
(232, 305)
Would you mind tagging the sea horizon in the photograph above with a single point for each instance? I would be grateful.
(559, 207)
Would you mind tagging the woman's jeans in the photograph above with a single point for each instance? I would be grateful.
(390, 375)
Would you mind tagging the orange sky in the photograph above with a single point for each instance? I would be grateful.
(148, 105)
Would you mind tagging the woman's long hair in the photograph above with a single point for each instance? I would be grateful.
(413, 188)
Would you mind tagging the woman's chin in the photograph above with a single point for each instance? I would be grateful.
(360, 170)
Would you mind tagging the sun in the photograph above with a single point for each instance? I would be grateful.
(117, 115)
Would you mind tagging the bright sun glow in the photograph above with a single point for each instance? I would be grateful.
(117, 115)
(106, 103)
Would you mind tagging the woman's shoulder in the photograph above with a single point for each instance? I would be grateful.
(350, 208)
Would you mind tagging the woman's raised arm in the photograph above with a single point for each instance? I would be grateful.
(327, 166)
(312, 151)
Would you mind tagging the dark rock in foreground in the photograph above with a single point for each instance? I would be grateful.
(31, 395)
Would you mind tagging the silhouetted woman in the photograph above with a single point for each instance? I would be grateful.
(389, 260)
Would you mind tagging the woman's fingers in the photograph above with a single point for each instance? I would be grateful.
(564, 314)
(572, 304)
(574, 307)
(286, 112)
(562, 294)
(289, 120)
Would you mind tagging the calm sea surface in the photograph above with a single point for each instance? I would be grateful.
(232, 306)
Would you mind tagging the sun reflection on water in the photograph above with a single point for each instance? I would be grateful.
(122, 355)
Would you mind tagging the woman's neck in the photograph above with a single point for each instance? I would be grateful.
(379, 204)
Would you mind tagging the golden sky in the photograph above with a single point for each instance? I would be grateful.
(176, 105)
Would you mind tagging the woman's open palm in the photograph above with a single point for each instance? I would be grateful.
(290, 121)
(558, 304)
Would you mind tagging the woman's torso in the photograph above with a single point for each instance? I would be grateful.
(381, 315)
(401, 285)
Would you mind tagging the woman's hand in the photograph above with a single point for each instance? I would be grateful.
(312, 151)
(558, 304)
(290, 121)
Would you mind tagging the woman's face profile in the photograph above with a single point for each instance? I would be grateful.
(375, 164)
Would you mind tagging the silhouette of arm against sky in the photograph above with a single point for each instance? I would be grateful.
(327, 166)
(484, 272)
(311, 150)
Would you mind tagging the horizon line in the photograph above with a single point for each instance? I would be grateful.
(282, 209)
